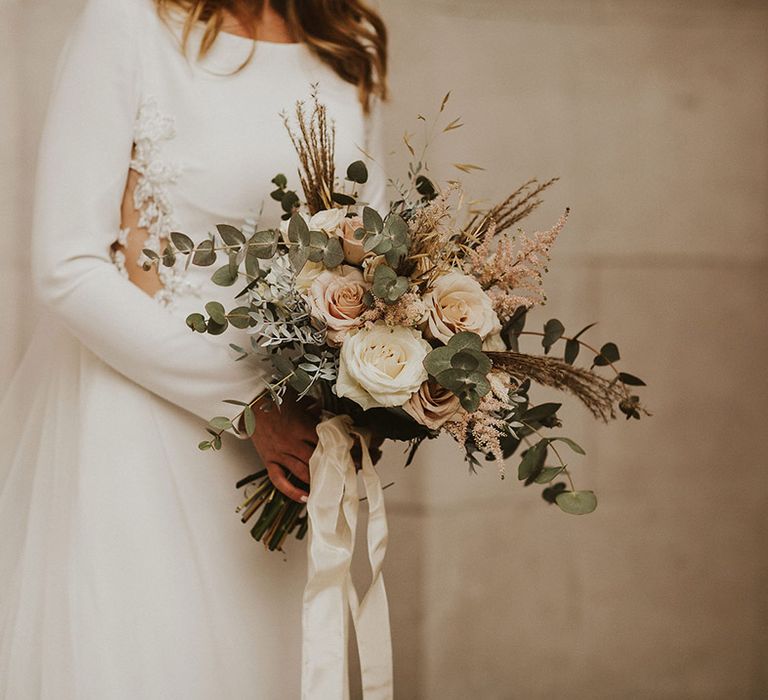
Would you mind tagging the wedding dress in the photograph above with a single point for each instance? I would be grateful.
(124, 571)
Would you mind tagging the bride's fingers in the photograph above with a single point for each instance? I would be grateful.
(297, 466)
(301, 450)
(280, 480)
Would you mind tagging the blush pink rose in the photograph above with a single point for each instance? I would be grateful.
(336, 299)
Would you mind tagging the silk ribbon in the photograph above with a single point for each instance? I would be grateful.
(330, 597)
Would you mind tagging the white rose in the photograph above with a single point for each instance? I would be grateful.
(382, 366)
(458, 303)
(327, 220)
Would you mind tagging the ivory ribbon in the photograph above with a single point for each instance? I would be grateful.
(330, 596)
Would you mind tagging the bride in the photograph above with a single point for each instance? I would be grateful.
(124, 572)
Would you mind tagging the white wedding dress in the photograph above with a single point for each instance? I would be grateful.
(124, 571)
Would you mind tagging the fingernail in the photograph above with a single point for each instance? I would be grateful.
(304, 499)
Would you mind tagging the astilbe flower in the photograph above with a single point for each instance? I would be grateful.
(409, 310)
(512, 273)
(487, 425)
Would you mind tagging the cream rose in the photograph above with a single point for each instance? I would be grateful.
(328, 220)
(458, 303)
(432, 405)
(382, 366)
(336, 298)
(353, 248)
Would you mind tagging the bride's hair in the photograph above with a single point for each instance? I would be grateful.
(346, 34)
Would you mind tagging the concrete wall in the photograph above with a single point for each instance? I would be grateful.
(655, 115)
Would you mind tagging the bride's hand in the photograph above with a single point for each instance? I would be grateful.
(285, 438)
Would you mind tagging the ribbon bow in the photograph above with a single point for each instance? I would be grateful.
(330, 595)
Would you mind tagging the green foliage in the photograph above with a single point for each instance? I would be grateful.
(510, 333)
(204, 255)
(609, 354)
(553, 331)
(387, 285)
(388, 237)
(462, 368)
(576, 502)
(357, 172)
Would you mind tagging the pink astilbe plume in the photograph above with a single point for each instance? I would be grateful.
(512, 273)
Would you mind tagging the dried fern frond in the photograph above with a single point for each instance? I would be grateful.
(315, 145)
(597, 393)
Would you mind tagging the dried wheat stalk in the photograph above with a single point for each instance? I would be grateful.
(315, 144)
(598, 394)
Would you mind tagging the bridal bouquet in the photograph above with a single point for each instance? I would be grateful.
(408, 321)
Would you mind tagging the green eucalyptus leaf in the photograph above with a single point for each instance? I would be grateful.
(216, 312)
(280, 181)
(469, 400)
(466, 340)
(397, 289)
(577, 502)
(183, 243)
(282, 364)
(465, 360)
(425, 187)
(547, 474)
(263, 244)
(333, 255)
(630, 379)
(372, 222)
(372, 242)
(215, 328)
(169, 257)
(342, 199)
(540, 412)
(249, 421)
(277, 194)
(290, 202)
(204, 445)
(571, 350)
(317, 242)
(224, 277)
(298, 231)
(553, 331)
(204, 255)
(196, 322)
(240, 317)
(533, 461)
(230, 235)
(298, 255)
(357, 172)
(452, 379)
(439, 360)
(609, 354)
(220, 423)
(300, 381)
(573, 445)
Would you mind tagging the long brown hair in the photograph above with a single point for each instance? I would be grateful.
(346, 34)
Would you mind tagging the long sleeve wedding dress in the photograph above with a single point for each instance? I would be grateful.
(124, 571)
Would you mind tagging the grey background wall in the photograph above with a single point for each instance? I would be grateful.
(655, 116)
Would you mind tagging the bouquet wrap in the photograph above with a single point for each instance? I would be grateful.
(330, 596)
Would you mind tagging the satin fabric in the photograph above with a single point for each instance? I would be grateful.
(330, 597)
